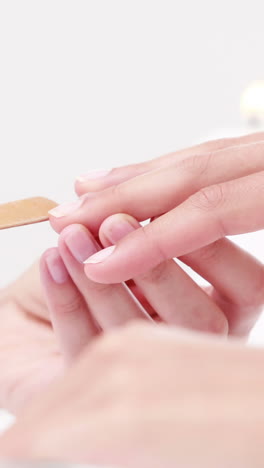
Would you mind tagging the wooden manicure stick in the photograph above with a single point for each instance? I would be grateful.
(22, 212)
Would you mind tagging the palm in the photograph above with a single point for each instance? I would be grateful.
(29, 354)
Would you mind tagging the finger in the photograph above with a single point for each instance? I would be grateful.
(100, 180)
(225, 209)
(237, 277)
(70, 318)
(159, 191)
(238, 280)
(175, 297)
(110, 305)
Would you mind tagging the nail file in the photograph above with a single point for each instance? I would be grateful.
(22, 212)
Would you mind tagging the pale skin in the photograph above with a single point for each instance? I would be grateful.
(136, 394)
(30, 354)
(220, 383)
(198, 196)
(152, 397)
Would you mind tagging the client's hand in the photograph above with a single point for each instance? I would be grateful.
(198, 196)
(30, 356)
(150, 397)
(80, 308)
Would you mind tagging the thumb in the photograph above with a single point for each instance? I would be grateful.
(168, 236)
(130, 257)
(217, 211)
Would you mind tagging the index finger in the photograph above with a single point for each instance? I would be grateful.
(99, 180)
(161, 190)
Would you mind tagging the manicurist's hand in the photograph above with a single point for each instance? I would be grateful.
(44, 329)
(77, 309)
(152, 397)
(199, 195)
(29, 354)
(44, 326)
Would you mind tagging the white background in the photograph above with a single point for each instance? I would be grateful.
(95, 84)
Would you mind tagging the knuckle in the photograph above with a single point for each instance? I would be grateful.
(209, 198)
(102, 289)
(210, 253)
(152, 237)
(117, 195)
(255, 295)
(215, 145)
(157, 275)
(70, 307)
(219, 324)
(197, 165)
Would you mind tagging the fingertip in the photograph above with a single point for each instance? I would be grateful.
(52, 267)
(79, 187)
(133, 255)
(98, 275)
(43, 267)
(78, 211)
(93, 181)
(44, 257)
(55, 224)
(115, 227)
(69, 230)
(77, 243)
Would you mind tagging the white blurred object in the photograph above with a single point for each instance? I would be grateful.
(252, 104)
(6, 420)
(251, 113)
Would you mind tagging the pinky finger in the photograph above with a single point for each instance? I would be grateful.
(70, 317)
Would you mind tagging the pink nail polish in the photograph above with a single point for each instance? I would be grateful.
(56, 267)
(93, 175)
(66, 208)
(101, 256)
(79, 242)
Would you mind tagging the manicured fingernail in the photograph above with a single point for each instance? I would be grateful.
(66, 208)
(78, 241)
(92, 175)
(101, 256)
(119, 229)
(56, 267)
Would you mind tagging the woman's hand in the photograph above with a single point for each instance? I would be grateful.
(29, 354)
(150, 397)
(198, 196)
(80, 309)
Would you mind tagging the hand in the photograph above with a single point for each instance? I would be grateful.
(31, 355)
(206, 193)
(151, 397)
(231, 305)
(80, 309)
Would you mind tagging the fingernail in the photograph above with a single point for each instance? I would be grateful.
(66, 208)
(79, 242)
(92, 175)
(101, 256)
(119, 229)
(56, 267)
